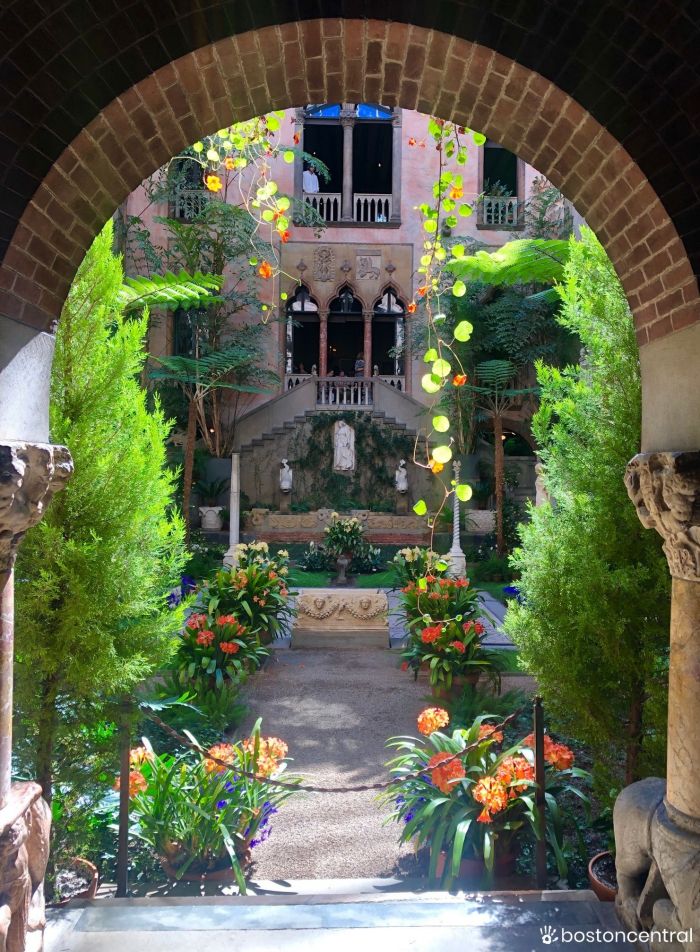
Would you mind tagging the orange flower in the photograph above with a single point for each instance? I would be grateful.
(139, 755)
(196, 621)
(137, 782)
(431, 578)
(445, 777)
(459, 380)
(205, 638)
(436, 467)
(456, 191)
(229, 647)
(458, 646)
(411, 141)
(228, 162)
(487, 730)
(492, 794)
(512, 769)
(429, 635)
(213, 182)
(411, 307)
(432, 719)
(265, 270)
(479, 628)
(558, 755)
(270, 751)
(226, 752)
(285, 236)
(461, 583)
(422, 290)
(296, 138)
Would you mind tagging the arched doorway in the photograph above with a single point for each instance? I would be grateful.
(301, 337)
(389, 339)
(345, 335)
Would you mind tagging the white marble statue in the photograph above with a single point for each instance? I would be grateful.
(285, 477)
(343, 447)
(401, 477)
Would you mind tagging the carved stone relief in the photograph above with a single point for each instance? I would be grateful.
(368, 266)
(322, 609)
(324, 264)
(665, 488)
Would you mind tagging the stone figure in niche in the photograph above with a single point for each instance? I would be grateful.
(285, 477)
(343, 447)
(401, 477)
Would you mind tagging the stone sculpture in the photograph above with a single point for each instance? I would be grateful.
(401, 477)
(343, 447)
(285, 477)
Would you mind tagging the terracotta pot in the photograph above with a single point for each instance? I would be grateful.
(454, 692)
(222, 875)
(604, 892)
(475, 869)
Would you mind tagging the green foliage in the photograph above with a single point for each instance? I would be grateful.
(171, 291)
(593, 628)
(93, 575)
(414, 562)
(201, 817)
(525, 261)
(370, 486)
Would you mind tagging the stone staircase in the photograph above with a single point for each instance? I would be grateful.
(343, 915)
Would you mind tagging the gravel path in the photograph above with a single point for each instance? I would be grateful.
(335, 709)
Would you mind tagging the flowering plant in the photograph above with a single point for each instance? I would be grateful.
(414, 563)
(478, 804)
(255, 591)
(451, 649)
(343, 535)
(433, 598)
(199, 816)
(217, 647)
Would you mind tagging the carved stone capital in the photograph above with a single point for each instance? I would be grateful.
(30, 473)
(665, 488)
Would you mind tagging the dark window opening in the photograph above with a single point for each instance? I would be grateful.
(500, 171)
(326, 142)
(303, 332)
(183, 334)
(371, 160)
(345, 333)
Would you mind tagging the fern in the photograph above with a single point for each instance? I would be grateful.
(526, 261)
(171, 291)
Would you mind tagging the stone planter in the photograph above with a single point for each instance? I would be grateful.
(211, 517)
(603, 890)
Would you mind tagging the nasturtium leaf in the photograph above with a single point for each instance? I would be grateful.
(268, 215)
(463, 331)
(420, 508)
(451, 221)
(465, 210)
(443, 454)
(288, 157)
(441, 424)
(458, 251)
(283, 296)
(422, 585)
(430, 355)
(430, 226)
(252, 261)
(429, 384)
(463, 492)
(442, 566)
(273, 123)
(479, 138)
(459, 289)
(441, 368)
(213, 155)
(198, 147)
(283, 203)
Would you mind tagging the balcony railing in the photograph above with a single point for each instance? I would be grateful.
(187, 203)
(397, 382)
(326, 204)
(498, 211)
(355, 392)
(366, 208)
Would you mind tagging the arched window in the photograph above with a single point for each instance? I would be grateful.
(389, 337)
(365, 110)
(186, 192)
(302, 334)
(325, 111)
(345, 333)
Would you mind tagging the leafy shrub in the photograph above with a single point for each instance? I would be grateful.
(412, 563)
(493, 569)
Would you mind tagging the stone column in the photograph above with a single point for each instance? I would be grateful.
(234, 524)
(396, 167)
(367, 341)
(657, 835)
(457, 558)
(323, 344)
(347, 121)
(30, 473)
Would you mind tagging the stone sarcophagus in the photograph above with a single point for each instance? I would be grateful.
(329, 618)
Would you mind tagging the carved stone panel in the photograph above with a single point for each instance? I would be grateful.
(324, 609)
(665, 488)
(368, 266)
(30, 473)
(324, 264)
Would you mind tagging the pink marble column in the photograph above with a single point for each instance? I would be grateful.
(367, 340)
(323, 345)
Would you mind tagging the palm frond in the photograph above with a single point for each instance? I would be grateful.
(171, 291)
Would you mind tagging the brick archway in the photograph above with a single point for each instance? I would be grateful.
(414, 67)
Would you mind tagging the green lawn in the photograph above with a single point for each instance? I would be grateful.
(300, 579)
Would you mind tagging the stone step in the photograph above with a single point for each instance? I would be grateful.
(370, 917)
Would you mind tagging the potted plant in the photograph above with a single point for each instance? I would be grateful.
(602, 876)
(215, 648)
(209, 494)
(415, 562)
(203, 819)
(254, 591)
(471, 803)
(343, 539)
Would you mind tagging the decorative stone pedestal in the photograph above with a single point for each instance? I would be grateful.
(402, 504)
(285, 503)
(349, 619)
(657, 823)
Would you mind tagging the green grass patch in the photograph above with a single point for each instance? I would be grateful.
(493, 588)
(299, 579)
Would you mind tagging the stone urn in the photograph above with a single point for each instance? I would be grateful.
(343, 563)
(211, 517)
